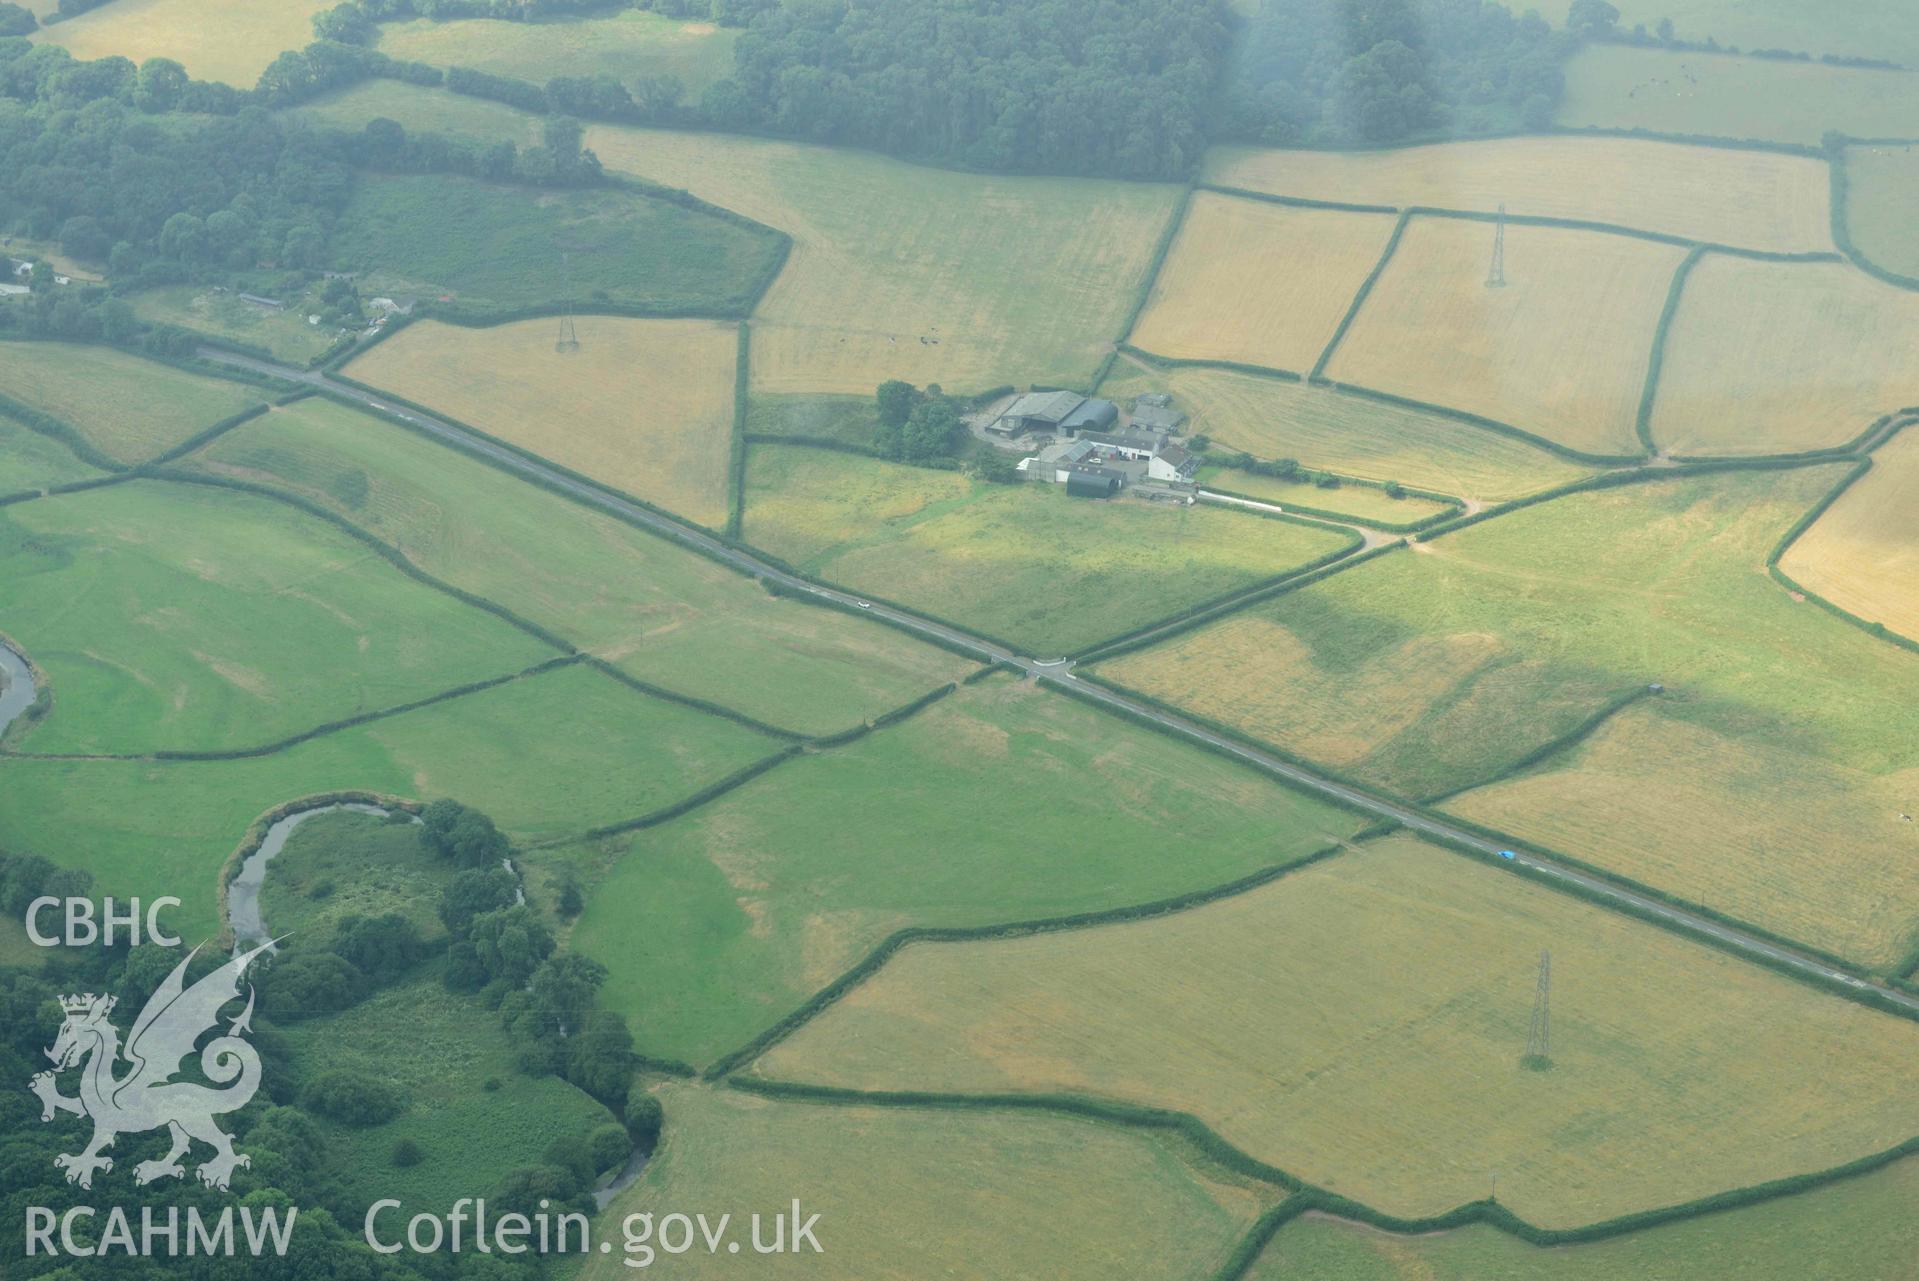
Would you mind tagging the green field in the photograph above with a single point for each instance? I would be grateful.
(128, 408)
(1324, 429)
(629, 45)
(1361, 1023)
(1002, 802)
(285, 333)
(1884, 188)
(1360, 501)
(1020, 561)
(347, 864)
(851, 420)
(968, 1196)
(1857, 1229)
(1668, 91)
(661, 614)
(496, 247)
(421, 110)
(440, 1049)
(228, 42)
(1767, 782)
(547, 757)
(29, 460)
(186, 618)
(1889, 31)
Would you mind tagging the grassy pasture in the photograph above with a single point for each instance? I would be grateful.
(1323, 429)
(629, 45)
(1434, 667)
(228, 42)
(1362, 501)
(284, 333)
(1767, 358)
(345, 864)
(1753, 199)
(1257, 283)
(1854, 1229)
(1020, 561)
(1560, 351)
(644, 406)
(1883, 193)
(1001, 803)
(657, 612)
(184, 618)
(1851, 30)
(850, 419)
(128, 408)
(419, 109)
(496, 246)
(1863, 553)
(898, 271)
(29, 460)
(440, 1049)
(1288, 1020)
(1671, 91)
(547, 757)
(960, 1195)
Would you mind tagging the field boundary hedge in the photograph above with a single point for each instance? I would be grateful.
(686, 804)
(1552, 747)
(693, 701)
(1206, 612)
(867, 966)
(1480, 421)
(1308, 1196)
(736, 446)
(201, 439)
(1877, 630)
(1202, 362)
(1162, 250)
(1841, 204)
(65, 433)
(1226, 602)
(1365, 291)
(1296, 202)
(1656, 361)
(1458, 505)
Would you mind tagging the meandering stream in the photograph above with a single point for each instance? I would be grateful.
(19, 690)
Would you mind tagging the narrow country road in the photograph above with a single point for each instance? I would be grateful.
(1061, 670)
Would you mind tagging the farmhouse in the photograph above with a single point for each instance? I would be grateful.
(1174, 465)
(1129, 444)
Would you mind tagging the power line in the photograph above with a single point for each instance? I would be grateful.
(569, 339)
(1496, 278)
(1539, 1040)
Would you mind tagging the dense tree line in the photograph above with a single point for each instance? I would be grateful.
(1345, 72)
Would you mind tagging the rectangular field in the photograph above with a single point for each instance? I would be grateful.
(1287, 1019)
(1430, 669)
(1258, 283)
(497, 247)
(228, 42)
(665, 615)
(1863, 553)
(1612, 86)
(178, 617)
(1324, 429)
(898, 271)
(1776, 358)
(548, 757)
(1360, 501)
(1560, 350)
(29, 460)
(644, 406)
(1753, 199)
(1883, 191)
(966, 1196)
(1003, 802)
(628, 44)
(1021, 561)
(421, 110)
(128, 408)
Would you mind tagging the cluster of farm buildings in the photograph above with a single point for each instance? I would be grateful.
(1090, 450)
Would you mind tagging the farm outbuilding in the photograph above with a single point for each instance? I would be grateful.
(1090, 415)
(1092, 482)
(1037, 411)
(1153, 411)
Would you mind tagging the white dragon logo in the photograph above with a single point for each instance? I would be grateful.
(148, 1097)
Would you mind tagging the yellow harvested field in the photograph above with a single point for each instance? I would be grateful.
(1560, 352)
(1778, 358)
(1328, 430)
(1862, 554)
(1258, 283)
(212, 40)
(907, 1194)
(1751, 199)
(967, 280)
(1806, 848)
(1290, 1021)
(644, 406)
(128, 408)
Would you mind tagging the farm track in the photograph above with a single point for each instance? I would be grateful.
(1059, 670)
